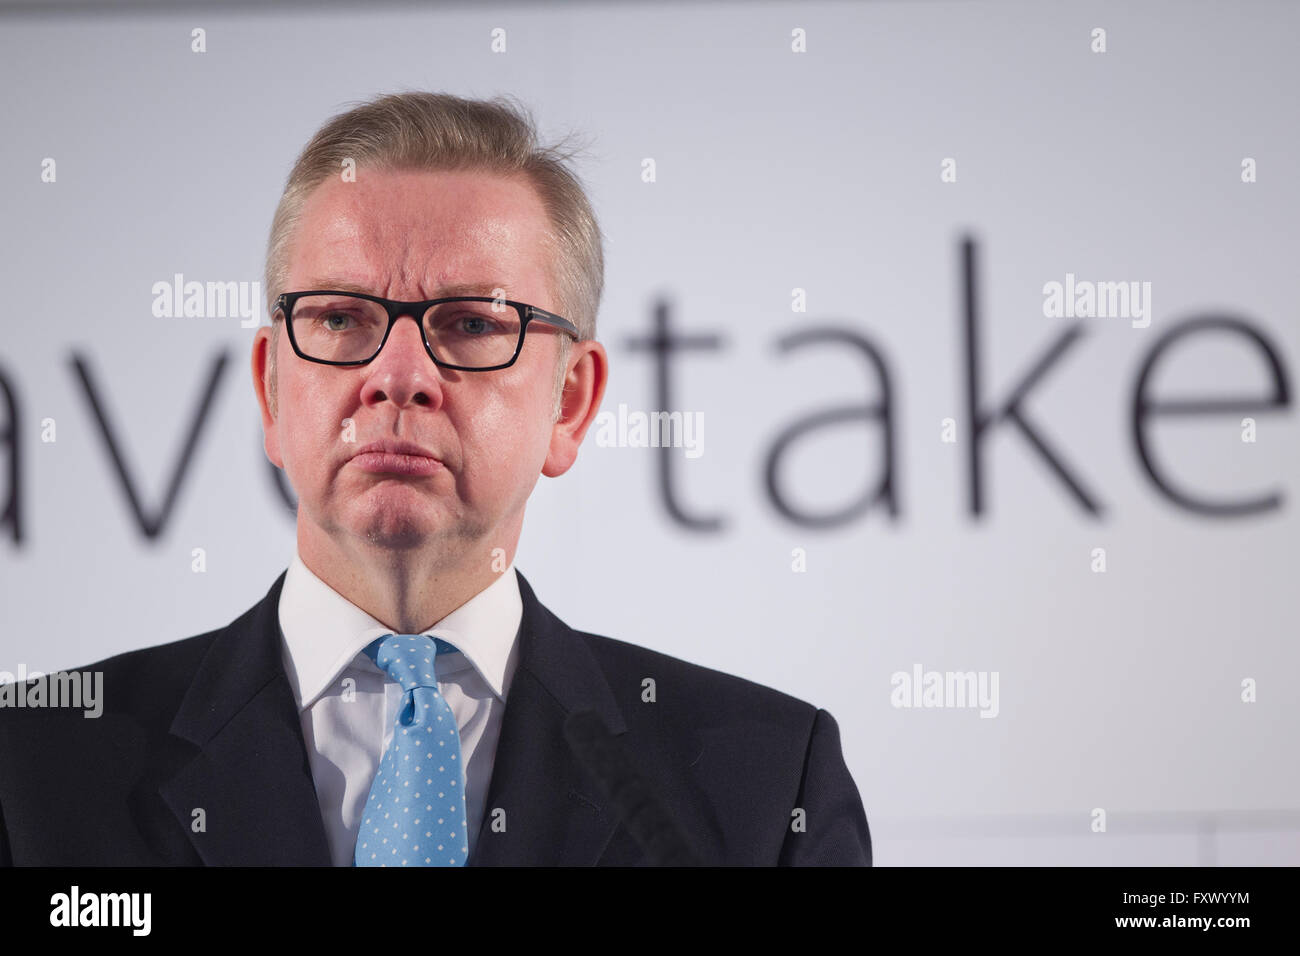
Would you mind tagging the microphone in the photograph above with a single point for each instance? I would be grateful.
(634, 802)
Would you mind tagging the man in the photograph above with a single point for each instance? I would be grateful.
(401, 661)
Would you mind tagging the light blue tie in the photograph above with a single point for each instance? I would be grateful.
(415, 814)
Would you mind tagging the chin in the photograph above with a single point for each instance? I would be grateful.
(387, 519)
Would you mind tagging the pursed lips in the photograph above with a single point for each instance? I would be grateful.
(396, 457)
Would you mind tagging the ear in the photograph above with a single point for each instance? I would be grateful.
(262, 387)
(584, 387)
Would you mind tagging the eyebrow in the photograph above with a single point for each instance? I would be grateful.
(463, 288)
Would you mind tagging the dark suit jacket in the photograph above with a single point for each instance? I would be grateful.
(210, 722)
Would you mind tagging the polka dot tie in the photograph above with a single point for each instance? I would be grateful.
(415, 814)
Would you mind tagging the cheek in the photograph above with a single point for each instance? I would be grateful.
(504, 437)
(311, 429)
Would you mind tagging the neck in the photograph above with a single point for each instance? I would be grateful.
(408, 591)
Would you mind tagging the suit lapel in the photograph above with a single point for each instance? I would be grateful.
(250, 777)
(542, 808)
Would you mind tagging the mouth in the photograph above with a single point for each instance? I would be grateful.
(396, 458)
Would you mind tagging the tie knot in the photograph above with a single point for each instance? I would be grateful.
(409, 659)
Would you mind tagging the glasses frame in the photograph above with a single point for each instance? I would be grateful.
(285, 302)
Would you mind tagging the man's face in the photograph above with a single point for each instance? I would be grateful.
(412, 236)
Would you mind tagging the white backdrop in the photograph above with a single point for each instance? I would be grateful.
(827, 171)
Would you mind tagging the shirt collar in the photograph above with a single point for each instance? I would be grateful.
(323, 632)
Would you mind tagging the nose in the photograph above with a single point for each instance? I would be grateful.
(402, 371)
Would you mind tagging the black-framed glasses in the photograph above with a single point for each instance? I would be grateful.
(471, 333)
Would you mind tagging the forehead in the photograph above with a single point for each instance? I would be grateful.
(407, 234)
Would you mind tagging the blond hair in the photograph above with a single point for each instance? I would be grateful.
(438, 131)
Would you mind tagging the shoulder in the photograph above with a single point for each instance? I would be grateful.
(689, 688)
(144, 688)
(145, 685)
(637, 675)
(160, 665)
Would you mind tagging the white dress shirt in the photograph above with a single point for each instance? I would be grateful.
(348, 705)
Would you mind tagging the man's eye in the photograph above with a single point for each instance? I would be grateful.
(470, 324)
(335, 321)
